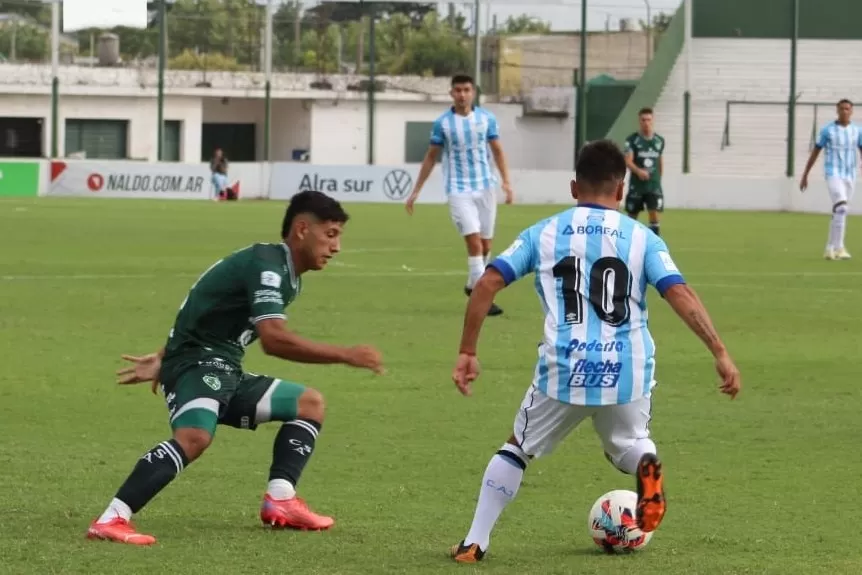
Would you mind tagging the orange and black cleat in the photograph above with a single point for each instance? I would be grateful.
(467, 553)
(651, 500)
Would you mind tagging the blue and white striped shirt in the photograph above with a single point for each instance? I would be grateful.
(592, 266)
(842, 145)
(466, 164)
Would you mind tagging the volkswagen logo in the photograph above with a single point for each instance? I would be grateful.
(397, 184)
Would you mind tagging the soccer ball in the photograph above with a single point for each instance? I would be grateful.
(613, 525)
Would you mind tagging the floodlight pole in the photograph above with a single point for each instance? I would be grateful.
(160, 104)
(268, 85)
(791, 105)
(372, 56)
(55, 79)
(582, 85)
(477, 52)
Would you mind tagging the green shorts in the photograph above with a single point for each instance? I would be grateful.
(637, 200)
(205, 392)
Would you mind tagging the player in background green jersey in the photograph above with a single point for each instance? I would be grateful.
(644, 157)
(239, 299)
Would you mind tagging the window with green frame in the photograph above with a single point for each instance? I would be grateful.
(173, 139)
(100, 139)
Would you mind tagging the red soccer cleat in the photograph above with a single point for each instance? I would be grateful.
(118, 530)
(293, 513)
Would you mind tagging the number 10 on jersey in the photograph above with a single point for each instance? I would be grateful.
(609, 291)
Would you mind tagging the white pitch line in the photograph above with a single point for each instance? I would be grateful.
(405, 274)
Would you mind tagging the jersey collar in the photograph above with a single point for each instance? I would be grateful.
(288, 260)
(594, 206)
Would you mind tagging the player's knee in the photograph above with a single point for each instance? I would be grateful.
(474, 244)
(840, 208)
(626, 457)
(193, 441)
(311, 405)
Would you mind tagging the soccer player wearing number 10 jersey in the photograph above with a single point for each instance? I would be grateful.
(592, 266)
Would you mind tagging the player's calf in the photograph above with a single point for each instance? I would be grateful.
(292, 448)
(500, 485)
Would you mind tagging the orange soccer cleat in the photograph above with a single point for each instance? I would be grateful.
(118, 530)
(651, 499)
(293, 513)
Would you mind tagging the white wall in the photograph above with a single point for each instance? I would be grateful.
(745, 69)
(339, 134)
(140, 112)
(290, 125)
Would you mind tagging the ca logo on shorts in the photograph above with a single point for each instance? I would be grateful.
(213, 382)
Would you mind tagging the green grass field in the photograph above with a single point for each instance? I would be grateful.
(768, 483)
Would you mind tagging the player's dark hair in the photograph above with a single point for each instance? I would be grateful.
(318, 204)
(645, 111)
(462, 79)
(600, 163)
(844, 101)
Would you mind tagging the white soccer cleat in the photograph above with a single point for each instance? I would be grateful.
(842, 254)
(830, 254)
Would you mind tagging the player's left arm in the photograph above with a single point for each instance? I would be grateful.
(518, 260)
(499, 156)
(661, 160)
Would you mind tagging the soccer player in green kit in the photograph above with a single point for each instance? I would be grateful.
(644, 159)
(239, 299)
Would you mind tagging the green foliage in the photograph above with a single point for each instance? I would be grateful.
(525, 24)
(411, 38)
(189, 60)
(31, 43)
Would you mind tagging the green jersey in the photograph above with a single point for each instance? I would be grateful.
(222, 308)
(646, 154)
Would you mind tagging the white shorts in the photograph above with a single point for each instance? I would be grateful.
(840, 189)
(543, 422)
(474, 213)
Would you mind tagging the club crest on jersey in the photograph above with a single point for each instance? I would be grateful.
(270, 279)
(213, 382)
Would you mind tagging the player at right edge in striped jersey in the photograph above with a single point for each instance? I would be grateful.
(592, 266)
(842, 141)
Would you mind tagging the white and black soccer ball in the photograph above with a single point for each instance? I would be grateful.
(613, 522)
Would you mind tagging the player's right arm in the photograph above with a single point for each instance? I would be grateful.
(821, 142)
(278, 341)
(629, 151)
(662, 273)
(437, 142)
(518, 260)
(263, 285)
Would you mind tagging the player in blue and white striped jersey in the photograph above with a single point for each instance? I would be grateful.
(842, 141)
(464, 134)
(592, 266)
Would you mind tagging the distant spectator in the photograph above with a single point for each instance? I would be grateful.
(218, 166)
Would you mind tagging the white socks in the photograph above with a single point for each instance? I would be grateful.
(280, 489)
(499, 486)
(837, 227)
(116, 509)
(628, 463)
(475, 268)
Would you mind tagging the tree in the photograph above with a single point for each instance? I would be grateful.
(525, 24)
(31, 44)
(354, 11)
(660, 23)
